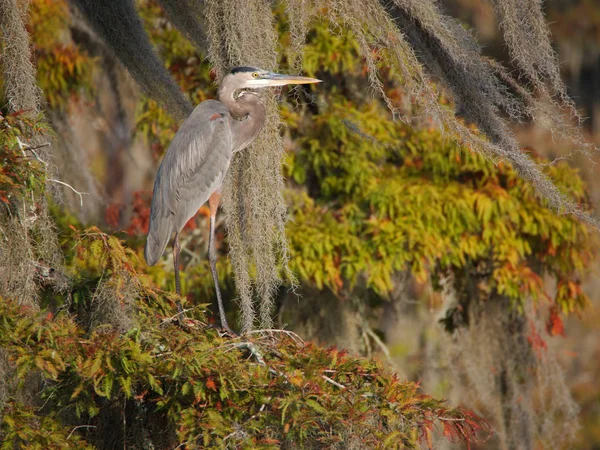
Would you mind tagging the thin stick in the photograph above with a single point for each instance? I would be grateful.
(367, 343)
(79, 426)
(81, 194)
(176, 317)
(272, 330)
(335, 383)
(381, 345)
(23, 146)
(385, 350)
(31, 149)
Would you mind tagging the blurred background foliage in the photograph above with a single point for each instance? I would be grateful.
(399, 237)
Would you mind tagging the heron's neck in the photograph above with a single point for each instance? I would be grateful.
(248, 113)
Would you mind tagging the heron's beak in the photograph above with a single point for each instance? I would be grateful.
(278, 79)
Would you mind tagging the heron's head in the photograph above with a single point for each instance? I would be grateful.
(253, 78)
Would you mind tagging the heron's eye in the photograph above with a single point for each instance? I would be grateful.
(255, 75)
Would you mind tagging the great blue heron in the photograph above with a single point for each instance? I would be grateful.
(197, 160)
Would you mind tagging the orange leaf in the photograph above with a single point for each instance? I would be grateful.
(555, 325)
(210, 384)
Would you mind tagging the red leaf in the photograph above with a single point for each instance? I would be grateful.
(112, 215)
(210, 384)
(140, 219)
(555, 325)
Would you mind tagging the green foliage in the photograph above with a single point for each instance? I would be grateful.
(415, 200)
(64, 71)
(258, 391)
(48, 20)
(186, 65)
(382, 197)
(20, 171)
(154, 122)
(24, 429)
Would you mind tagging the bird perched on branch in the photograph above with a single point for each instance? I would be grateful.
(197, 160)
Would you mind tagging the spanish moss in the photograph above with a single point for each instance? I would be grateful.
(243, 33)
(538, 71)
(28, 245)
(20, 85)
(522, 391)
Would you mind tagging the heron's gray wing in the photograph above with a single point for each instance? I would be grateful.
(192, 169)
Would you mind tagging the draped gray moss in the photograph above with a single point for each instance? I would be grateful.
(20, 86)
(22, 94)
(26, 230)
(243, 33)
(429, 54)
(526, 395)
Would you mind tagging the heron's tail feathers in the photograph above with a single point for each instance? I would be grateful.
(158, 237)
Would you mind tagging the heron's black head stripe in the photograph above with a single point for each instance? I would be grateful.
(243, 69)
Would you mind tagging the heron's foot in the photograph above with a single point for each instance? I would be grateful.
(228, 331)
(224, 325)
(223, 331)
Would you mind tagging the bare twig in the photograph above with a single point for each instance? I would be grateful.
(240, 428)
(79, 426)
(254, 351)
(23, 146)
(45, 144)
(367, 342)
(183, 444)
(335, 383)
(368, 332)
(175, 317)
(81, 194)
(291, 334)
(381, 345)
(47, 400)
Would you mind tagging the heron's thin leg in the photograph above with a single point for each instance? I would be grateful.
(176, 249)
(213, 202)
